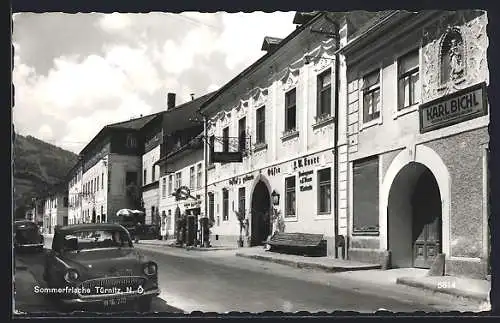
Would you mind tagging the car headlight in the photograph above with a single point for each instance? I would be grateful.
(71, 275)
(150, 268)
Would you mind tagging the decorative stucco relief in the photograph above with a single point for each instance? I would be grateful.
(241, 108)
(454, 55)
(290, 79)
(259, 96)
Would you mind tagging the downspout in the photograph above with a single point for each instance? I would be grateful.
(205, 179)
(336, 139)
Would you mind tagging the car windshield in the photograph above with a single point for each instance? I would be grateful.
(95, 239)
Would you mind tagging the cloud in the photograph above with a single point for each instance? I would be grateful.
(114, 22)
(76, 73)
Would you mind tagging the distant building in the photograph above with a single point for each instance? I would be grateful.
(75, 193)
(418, 143)
(55, 208)
(111, 170)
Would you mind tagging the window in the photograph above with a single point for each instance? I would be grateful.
(260, 125)
(242, 125)
(241, 200)
(211, 208)
(371, 96)
(153, 169)
(366, 195)
(324, 191)
(191, 177)
(225, 205)
(212, 146)
(131, 178)
(199, 179)
(164, 187)
(65, 202)
(144, 178)
(178, 180)
(170, 184)
(225, 139)
(102, 180)
(324, 93)
(290, 110)
(408, 80)
(97, 186)
(290, 197)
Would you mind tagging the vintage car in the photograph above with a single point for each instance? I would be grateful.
(27, 235)
(96, 266)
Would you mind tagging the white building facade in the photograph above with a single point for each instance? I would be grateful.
(183, 168)
(75, 190)
(55, 211)
(418, 141)
(289, 113)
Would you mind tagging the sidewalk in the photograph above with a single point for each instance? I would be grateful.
(472, 289)
(328, 264)
(171, 243)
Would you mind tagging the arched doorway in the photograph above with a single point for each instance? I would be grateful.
(414, 215)
(261, 207)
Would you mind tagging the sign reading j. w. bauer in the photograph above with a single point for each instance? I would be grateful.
(457, 107)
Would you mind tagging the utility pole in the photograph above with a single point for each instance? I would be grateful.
(205, 171)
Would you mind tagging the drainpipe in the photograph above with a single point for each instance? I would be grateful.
(336, 139)
(205, 170)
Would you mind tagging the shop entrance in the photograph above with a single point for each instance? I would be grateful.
(414, 213)
(261, 207)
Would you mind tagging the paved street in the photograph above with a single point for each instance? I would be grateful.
(218, 281)
(221, 282)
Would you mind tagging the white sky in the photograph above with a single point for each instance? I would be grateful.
(75, 73)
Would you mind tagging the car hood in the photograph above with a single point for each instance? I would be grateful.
(106, 262)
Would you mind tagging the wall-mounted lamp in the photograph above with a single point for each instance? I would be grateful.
(275, 198)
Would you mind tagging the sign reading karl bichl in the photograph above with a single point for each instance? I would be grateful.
(454, 108)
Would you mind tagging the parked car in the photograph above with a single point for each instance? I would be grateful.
(97, 265)
(27, 235)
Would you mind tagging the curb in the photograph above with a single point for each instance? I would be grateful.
(186, 248)
(449, 291)
(306, 265)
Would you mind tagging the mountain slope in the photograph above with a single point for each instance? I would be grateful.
(38, 165)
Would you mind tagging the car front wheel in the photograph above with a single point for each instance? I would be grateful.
(144, 304)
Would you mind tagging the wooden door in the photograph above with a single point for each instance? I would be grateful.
(428, 244)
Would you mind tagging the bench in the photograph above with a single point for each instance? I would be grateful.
(307, 244)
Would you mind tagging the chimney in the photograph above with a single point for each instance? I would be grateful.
(270, 43)
(170, 100)
(192, 96)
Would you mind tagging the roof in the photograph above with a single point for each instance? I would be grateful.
(379, 17)
(185, 115)
(135, 124)
(270, 43)
(303, 17)
(89, 226)
(260, 61)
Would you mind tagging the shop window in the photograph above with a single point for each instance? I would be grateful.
(324, 104)
(366, 195)
(260, 125)
(290, 111)
(225, 205)
(290, 192)
(408, 80)
(324, 191)
(371, 96)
